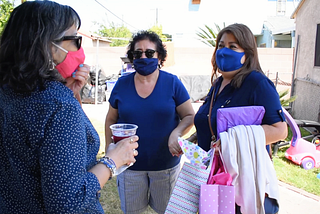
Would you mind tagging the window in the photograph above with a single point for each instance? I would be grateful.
(317, 52)
(281, 7)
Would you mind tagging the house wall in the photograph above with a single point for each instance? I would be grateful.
(282, 43)
(108, 58)
(277, 63)
(307, 78)
(265, 38)
(89, 42)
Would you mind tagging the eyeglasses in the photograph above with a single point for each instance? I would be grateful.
(76, 39)
(149, 53)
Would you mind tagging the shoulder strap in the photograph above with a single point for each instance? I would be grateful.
(209, 117)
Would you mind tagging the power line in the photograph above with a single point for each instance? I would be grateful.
(115, 15)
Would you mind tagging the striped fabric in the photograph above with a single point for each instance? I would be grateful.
(138, 189)
(185, 195)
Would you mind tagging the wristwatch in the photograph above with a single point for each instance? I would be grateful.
(108, 162)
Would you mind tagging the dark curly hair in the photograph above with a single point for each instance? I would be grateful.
(25, 48)
(152, 37)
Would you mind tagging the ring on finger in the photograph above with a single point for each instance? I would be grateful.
(135, 152)
(131, 140)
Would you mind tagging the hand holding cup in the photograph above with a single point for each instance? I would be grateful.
(124, 151)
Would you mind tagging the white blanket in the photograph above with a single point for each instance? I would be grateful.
(246, 159)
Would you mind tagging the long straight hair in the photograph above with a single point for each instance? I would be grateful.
(246, 40)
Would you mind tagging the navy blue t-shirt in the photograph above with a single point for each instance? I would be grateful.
(256, 90)
(155, 115)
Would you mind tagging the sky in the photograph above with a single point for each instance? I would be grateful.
(173, 15)
(177, 17)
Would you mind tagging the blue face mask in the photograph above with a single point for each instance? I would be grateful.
(145, 66)
(228, 60)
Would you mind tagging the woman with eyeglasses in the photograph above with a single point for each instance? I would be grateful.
(159, 104)
(48, 146)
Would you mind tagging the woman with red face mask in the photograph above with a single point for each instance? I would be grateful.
(48, 146)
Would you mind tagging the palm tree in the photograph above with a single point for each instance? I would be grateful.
(285, 102)
(208, 35)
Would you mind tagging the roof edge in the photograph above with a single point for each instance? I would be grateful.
(294, 14)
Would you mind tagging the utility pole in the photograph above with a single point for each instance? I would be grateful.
(157, 15)
(97, 75)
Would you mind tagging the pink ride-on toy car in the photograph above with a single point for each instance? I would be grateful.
(301, 151)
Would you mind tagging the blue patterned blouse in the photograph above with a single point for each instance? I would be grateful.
(47, 146)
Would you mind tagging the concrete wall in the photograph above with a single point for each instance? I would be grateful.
(307, 78)
(277, 61)
(197, 61)
(108, 58)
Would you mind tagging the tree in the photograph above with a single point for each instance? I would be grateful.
(208, 35)
(119, 36)
(6, 7)
(158, 30)
(286, 101)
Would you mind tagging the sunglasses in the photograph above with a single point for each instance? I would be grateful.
(149, 53)
(76, 39)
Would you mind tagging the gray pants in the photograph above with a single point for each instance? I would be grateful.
(138, 189)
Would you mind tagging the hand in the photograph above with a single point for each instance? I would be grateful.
(173, 145)
(79, 78)
(124, 151)
(216, 146)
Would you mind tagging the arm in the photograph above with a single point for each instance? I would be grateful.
(266, 95)
(63, 161)
(67, 184)
(193, 138)
(111, 118)
(122, 153)
(186, 114)
(78, 97)
(275, 132)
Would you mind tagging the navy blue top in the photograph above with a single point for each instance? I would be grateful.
(256, 90)
(155, 115)
(47, 146)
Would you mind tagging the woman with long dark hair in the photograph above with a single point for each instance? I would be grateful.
(48, 146)
(239, 81)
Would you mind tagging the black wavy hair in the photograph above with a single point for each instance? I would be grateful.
(152, 37)
(26, 42)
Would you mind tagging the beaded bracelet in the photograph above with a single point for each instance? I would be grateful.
(108, 162)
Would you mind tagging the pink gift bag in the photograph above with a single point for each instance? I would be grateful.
(216, 199)
(217, 196)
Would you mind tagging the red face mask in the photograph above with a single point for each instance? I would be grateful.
(71, 62)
